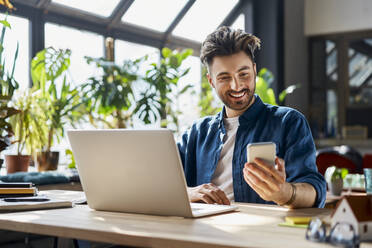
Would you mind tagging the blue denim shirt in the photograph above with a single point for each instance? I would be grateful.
(201, 145)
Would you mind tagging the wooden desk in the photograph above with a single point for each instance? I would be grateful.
(253, 225)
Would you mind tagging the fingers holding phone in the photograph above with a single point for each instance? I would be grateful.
(264, 172)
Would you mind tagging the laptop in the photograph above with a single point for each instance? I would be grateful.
(135, 171)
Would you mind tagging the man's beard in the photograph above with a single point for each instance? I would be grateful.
(239, 105)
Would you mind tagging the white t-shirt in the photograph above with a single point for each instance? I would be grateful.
(222, 176)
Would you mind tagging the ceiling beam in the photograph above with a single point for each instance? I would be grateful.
(174, 42)
(71, 17)
(119, 11)
(362, 47)
(28, 3)
(178, 18)
(234, 13)
(42, 4)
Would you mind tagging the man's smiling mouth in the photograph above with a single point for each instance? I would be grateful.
(238, 94)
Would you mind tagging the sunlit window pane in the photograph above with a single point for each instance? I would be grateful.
(239, 23)
(81, 43)
(127, 50)
(203, 18)
(131, 51)
(102, 8)
(153, 14)
(188, 102)
(18, 33)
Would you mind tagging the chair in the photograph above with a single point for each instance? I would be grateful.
(367, 160)
(341, 157)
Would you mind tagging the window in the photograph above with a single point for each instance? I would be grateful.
(103, 8)
(203, 18)
(331, 53)
(19, 33)
(127, 50)
(151, 15)
(239, 22)
(360, 72)
(82, 44)
(188, 102)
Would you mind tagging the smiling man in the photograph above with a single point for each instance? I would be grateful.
(213, 151)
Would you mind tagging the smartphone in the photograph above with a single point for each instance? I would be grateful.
(263, 150)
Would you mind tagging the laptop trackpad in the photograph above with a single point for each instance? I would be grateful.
(201, 209)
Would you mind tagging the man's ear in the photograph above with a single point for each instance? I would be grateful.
(254, 68)
(210, 80)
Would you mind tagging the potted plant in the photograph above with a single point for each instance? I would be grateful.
(113, 98)
(8, 85)
(30, 129)
(62, 102)
(109, 97)
(162, 79)
(334, 177)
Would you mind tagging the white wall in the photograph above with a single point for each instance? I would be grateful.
(332, 16)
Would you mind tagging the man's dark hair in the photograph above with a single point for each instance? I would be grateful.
(226, 41)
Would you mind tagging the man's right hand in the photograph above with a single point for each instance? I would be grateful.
(207, 193)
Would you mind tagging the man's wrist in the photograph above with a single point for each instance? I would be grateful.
(292, 198)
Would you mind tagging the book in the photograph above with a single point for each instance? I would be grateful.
(23, 204)
(6, 192)
(16, 185)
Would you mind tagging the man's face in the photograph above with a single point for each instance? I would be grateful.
(234, 79)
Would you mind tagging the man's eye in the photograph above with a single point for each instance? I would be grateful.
(224, 78)
(244, 75)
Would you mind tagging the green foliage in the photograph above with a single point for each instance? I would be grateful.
(162, 79)
(7, 87)
(113, 97)
(62, 103)
(30, 125)
(265, 92)
(70, 156)
(332, 173)
(206, 99)
(264, 79)
(110, 94)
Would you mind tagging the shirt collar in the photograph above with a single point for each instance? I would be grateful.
(251, 114)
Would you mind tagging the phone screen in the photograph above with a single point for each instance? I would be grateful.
(263, 150)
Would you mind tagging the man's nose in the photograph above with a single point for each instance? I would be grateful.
(234, 84)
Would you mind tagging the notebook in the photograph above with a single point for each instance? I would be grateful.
(32, 203)
(135, 171)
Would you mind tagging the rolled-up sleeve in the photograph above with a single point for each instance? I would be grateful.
(300, 155)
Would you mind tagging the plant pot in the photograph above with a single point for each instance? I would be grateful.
(47, 161)
(335, 186)
(15, 163)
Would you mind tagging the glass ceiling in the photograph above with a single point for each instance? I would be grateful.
(102, 8)
(202, 18)
(150, 15)
(239, 23)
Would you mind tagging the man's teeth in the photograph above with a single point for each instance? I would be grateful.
(237, 95)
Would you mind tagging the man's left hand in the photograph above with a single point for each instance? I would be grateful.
(268, 181)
